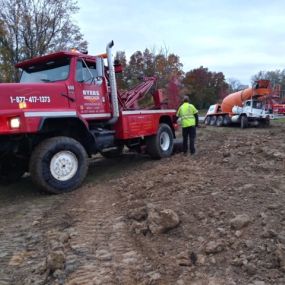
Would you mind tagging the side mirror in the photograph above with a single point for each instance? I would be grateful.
(100, 66)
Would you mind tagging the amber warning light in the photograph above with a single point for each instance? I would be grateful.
(22, 105)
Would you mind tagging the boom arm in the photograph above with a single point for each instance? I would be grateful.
(129, 99)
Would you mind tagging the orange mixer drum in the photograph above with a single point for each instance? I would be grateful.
(261, 88)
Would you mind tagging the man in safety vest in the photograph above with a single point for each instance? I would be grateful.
(189, 120)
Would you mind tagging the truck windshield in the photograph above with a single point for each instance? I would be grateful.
(49, 71)
(257, 104)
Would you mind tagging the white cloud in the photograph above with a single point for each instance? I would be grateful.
(238, 38)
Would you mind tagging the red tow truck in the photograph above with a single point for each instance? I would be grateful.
(66, 108)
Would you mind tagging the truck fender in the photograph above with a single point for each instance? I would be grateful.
(70, 127)
(167, 120)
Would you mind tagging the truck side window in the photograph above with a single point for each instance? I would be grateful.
(85, 71)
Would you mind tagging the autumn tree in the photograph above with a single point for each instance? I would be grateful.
(147, 63)
(205, 87)
(234, 85)
(30, 28)
(275, 77)
(165, 66)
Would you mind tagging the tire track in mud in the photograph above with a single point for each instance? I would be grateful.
(103, 245)
(23, 244)
(100, 249)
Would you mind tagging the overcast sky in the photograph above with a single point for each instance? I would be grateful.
(236, 37)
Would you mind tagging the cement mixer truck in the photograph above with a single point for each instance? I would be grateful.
(247, 107)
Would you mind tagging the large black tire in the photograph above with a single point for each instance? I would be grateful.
(161, 144)
(226, 120)
(213, 120)
(243, 122)
(266, 122)
(207, 120)
(59, 165)
(219, 121)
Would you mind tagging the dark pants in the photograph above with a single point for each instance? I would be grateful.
(189, 132)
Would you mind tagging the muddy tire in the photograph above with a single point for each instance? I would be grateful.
(161, 144)
(59, 165)
(266, 122)
(213, 120)
(219, 121)
(226, 120)
(207, 120)
(243, 122)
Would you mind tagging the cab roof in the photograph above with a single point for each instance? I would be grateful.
(52, 56)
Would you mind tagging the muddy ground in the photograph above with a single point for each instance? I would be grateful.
(214, 218)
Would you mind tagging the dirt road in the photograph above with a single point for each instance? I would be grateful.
(214, 218)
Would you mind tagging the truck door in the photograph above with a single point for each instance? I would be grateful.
(91, 91)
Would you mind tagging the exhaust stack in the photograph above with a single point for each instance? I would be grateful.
(113, 84)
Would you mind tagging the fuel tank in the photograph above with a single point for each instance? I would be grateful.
(261, 88)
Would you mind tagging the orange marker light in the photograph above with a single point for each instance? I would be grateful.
(22, 105)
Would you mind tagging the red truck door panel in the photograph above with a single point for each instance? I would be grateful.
(91, 92)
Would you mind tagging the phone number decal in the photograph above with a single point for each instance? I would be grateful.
(30, 99)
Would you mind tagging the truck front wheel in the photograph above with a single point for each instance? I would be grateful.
(59, 165)
(243, 122)
(161, 144)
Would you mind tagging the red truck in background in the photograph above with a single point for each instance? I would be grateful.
(279, 109)
(65, 108)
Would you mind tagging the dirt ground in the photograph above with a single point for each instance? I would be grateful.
(211, 219)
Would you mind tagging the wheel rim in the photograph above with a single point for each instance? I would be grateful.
(164, 141)
(220, 120)
(63, 165)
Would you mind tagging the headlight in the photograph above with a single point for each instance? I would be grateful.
(15, 123)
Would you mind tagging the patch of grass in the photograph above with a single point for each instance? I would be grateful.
(280, 120)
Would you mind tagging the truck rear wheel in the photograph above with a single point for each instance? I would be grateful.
(213, 120)
(243, 122)
(207, 120)
(161, 144)
(59, 165)
(226, 120)
(219, 121)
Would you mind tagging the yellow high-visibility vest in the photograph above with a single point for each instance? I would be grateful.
(186, 112)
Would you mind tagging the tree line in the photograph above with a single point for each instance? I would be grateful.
(30, 28)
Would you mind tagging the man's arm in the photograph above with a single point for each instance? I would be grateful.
(178, 112)
(196, 119)
(195, 113)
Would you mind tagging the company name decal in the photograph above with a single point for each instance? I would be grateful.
(90, 92)
(91, 95)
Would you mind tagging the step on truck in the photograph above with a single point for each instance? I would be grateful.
(65, 109)
(246, 107)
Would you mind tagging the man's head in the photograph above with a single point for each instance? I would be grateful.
(186, 99)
